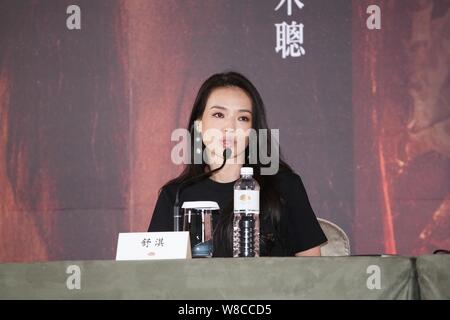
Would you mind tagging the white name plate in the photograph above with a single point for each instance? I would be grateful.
(153, 245)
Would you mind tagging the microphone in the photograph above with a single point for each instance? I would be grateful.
(176, 207)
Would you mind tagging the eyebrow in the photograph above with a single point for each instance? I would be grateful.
(223, 108)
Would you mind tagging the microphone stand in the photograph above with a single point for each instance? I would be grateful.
(176, 207)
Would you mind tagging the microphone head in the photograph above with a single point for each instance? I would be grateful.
(227, 153)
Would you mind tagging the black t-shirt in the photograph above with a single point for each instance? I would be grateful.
(298, 228)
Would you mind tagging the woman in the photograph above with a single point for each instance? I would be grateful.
(229, 103)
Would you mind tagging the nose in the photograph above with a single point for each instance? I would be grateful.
(230, 127)
(228, 132)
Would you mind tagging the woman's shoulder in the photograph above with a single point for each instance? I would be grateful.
(287, 177)
(169, 189)
(290, 185)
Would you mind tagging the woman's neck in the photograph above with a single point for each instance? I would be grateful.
(229, 173)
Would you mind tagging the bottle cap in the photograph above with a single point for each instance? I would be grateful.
(247, 171)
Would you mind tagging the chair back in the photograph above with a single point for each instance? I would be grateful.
(338, 243)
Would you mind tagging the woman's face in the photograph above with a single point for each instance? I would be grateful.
(225, 123)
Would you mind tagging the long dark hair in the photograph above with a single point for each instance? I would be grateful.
(270, 206)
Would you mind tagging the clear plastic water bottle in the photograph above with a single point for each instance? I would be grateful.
(246, 215)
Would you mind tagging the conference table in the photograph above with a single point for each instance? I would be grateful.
(271, 278)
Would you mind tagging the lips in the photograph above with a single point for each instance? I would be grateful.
(227, 142)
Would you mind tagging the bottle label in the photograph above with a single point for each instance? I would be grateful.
(246, 200)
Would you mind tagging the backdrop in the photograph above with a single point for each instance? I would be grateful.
(90, 94)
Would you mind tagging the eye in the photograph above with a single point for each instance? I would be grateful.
(218, 115)
(244, 118)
